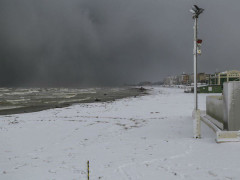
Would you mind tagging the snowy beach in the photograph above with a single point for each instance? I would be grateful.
(137, 138)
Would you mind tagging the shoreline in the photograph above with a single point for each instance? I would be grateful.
(101, 95)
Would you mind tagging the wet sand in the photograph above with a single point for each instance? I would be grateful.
(25, 100)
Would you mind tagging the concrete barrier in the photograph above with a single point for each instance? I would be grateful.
(231, 102)
(214, 108)
(221, 136)
(225, 110)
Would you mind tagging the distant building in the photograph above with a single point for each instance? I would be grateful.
(207, 78)
(201, 78)
(226, 76)
(171, 80)
(184, 79)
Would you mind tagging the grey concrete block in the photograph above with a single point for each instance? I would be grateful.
(214, 106)
(231, 101)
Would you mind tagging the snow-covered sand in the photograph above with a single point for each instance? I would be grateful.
(142, 138)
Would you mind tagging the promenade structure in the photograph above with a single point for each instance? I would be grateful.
(226, 76)
(222, 113)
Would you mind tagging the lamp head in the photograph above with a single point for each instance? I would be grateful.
(196, 11)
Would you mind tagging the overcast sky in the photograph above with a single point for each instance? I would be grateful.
(111, 42)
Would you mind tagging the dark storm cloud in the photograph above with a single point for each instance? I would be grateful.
(110, 42)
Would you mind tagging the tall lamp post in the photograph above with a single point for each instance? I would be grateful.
(196, 11)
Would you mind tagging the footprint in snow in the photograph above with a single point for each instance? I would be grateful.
(52, 171)
(212, 174)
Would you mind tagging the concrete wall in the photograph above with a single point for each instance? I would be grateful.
(214, 108)
(226, 109)
(231, 101)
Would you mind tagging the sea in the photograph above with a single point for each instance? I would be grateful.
(24, 100)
